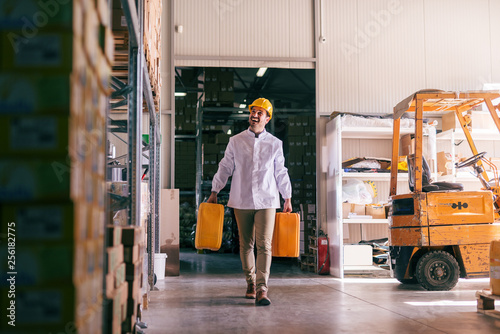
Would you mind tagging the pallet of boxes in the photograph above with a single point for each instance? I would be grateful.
(151, 42)
(124, 279)
(54, 73)
(126, 275)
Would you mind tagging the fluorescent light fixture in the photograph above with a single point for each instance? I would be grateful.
(261, 71)
(229, 132)
(242, 106)
(240, 111)
(180, 94)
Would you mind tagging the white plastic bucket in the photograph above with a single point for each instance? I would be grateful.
(160, 261)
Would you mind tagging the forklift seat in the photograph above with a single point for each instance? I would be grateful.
(427, 186)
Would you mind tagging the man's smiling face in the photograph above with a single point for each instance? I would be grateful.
(258, 119)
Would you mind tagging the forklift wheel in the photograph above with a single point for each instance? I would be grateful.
(437, 271)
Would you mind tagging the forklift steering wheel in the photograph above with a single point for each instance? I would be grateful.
(470, 161)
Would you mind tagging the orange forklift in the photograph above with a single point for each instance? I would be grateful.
(438, 231)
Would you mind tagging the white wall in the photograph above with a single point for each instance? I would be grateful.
(380, 51)
(244, 33)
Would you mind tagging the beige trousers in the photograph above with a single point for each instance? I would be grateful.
(256, 227)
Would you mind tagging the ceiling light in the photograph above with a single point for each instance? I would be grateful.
(180, 94)
(243, 106)
(261, 71)
(229, 132)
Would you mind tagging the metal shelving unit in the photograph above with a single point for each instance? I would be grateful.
(134, 93)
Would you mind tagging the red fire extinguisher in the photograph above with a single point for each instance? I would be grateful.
(323, 255)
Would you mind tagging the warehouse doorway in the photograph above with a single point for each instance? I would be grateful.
(218, 98)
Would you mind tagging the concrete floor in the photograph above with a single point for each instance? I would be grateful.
(208, 298)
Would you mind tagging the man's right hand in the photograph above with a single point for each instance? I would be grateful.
(212, 198)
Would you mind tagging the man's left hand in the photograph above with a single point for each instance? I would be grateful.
(287, 207)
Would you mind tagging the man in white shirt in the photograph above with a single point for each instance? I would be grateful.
(254, 158)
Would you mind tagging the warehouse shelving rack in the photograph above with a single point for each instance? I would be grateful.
(133, 92)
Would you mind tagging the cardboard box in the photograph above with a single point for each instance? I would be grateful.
(119, 274)
(26, 180)
(103, 12)
(19, 14)
(114, 235)
(376, 211)
(114, 257)
(450, 121)
(43, 309)
(132, 235)
(133, 270)
(34, 135)
(119, 20)
(131, 253)
(40, 222)
(116, 307)
(109, 46)
(405, 145)
(46, 263)
(444, 163)
(222, 138)
(29, 94)
(358, 209)
(44, 53)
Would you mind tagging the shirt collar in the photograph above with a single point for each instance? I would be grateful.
(256, 135)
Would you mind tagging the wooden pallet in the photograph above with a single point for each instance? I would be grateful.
(308, 262)
(486, 303)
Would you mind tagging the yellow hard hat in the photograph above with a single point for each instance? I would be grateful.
(263, 103)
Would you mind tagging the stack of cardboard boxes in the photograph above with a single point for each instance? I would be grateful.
(302, 158)
(218, 87)
(133, 240)
(152, 44)
(185, 113)
(55, 67)
(116, 287)
(185, 164)
(213, 152)
(152, 39)
(124, 277)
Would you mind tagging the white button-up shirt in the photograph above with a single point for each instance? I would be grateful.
(258, 168)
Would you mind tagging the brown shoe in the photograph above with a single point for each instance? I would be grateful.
(261, 298)
(250, 294)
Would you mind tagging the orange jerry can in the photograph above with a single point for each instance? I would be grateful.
(286, 236)
(209, 226)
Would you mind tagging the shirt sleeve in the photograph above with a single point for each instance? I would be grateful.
(225, 170)
(281, 174)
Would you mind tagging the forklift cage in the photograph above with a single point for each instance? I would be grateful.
(437, 101)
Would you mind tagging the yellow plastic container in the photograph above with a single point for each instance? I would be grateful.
(286, 237)
(495, 267)
(209, 226)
